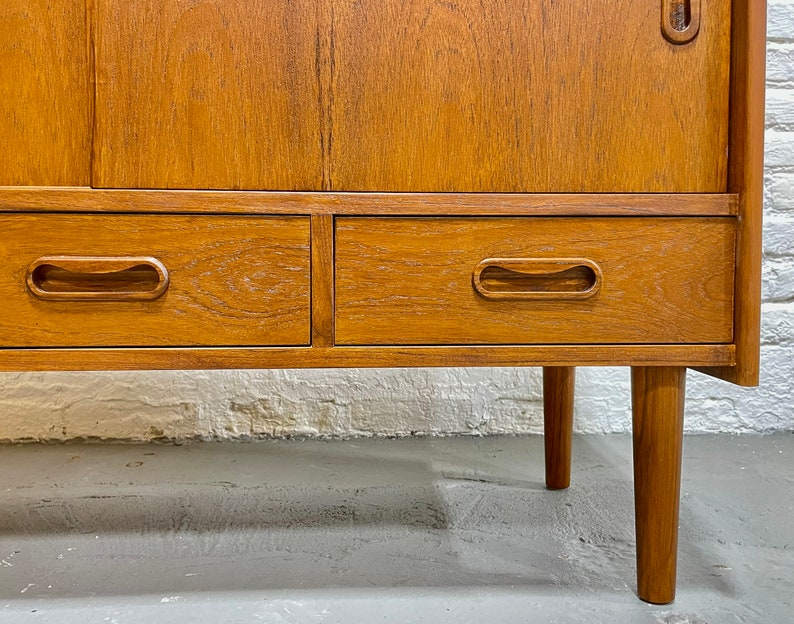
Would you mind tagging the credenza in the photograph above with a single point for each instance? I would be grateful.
(190, 184)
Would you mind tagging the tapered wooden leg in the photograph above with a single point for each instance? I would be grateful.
(658, 424)
(558, 387)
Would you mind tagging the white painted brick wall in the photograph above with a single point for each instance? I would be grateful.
(222, 404)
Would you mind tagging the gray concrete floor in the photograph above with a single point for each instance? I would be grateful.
(420, 530)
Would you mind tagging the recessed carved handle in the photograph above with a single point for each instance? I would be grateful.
(89, 278)
(680, 20)
(536, 278)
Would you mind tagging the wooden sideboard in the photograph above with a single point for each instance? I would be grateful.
(381, 183)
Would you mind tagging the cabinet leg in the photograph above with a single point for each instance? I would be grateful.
(558, 388)
(657, 395)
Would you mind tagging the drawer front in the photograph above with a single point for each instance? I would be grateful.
(424, 281)
(118, 280)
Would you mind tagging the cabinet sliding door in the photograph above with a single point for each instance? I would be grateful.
(207, 94)
(45, 91)
(530, 95)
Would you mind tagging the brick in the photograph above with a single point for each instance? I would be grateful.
(777, 324)
(778, 280)
(713, 406)
(779, 193)
(780, 110)
(779, 149)
(780, 20)
(780, 64)
(779, 237)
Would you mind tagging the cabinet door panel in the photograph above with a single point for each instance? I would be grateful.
(44, 93)
(207, 94)
(527, 95)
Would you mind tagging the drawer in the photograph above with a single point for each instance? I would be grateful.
(153, 280)
(428, 281)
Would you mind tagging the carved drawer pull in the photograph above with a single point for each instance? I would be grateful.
(89, 278)
(680, 20)
(536, 278)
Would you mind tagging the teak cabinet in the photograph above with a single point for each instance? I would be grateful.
(218, 183)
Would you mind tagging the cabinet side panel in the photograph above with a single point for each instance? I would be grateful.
(45, 93)
(208, 95)
(527, 96)
(746, 177)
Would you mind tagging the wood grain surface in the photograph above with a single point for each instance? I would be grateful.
(166, 358)
(409, 281)
(322, 280)
(26, 199)
(657, 405)
(559, 383)
(233, 281)
(45, 115)
(196, 94)
(527, 95)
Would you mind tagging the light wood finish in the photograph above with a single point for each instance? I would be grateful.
(233, 281)
(45, 115)
(94, 278)
(362, 357)
(746, 177)
(527, 95)
(324, 62)
(14, 199)
(680, 20)
(322, 281)
(558, 393)
(221, 94)
(409, 281)
(468, 183)
(658, 425)
(537, 279)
